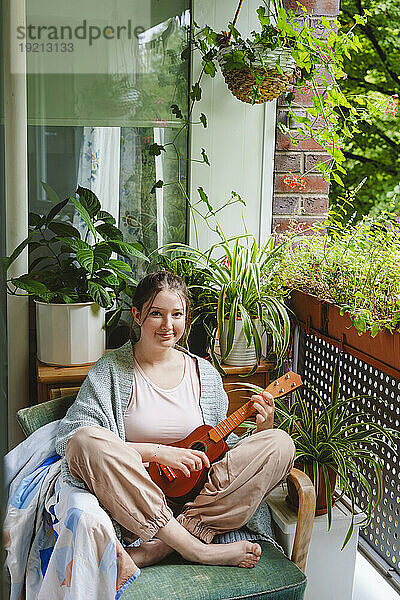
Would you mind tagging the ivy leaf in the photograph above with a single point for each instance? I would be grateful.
(204, 198)
(109, 232)
(289, 97)
(158, 184)
(64, 229)
(97, 292)
(209, 68)
(155, 149)
(374, 329)
(264, 20)
(205, 157)
(176, 111)
(338, 179)
(89, 201)
(203, 120)
(195, 93)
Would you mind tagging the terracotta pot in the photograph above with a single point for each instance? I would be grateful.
(321, 507)
(382, 351)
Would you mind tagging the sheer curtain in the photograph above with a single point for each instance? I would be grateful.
(99, 168)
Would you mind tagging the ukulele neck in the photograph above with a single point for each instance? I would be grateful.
(280, 387)
(225, 427)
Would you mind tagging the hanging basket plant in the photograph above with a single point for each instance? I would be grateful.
(255, 73)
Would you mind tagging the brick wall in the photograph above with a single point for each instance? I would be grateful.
(310, 204)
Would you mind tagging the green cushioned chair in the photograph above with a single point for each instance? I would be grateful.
(274, 578)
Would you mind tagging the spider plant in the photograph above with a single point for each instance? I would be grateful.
(241, 283)
(334, 437)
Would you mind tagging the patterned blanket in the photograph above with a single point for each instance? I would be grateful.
(60, 543)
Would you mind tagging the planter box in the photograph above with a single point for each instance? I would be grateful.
(323, 317)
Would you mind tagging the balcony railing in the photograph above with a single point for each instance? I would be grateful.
(315, 359)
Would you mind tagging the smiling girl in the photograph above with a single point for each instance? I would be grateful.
(151, 393)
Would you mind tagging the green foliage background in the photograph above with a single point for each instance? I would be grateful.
(374, 153)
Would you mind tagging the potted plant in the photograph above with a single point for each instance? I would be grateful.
(344, 284)
(291, 54)
(334, 445)
(241, 299)
(73, 280)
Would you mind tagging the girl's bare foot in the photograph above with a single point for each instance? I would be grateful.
(149, 553)
(237, 554)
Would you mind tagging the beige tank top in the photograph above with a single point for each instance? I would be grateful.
(163, 416)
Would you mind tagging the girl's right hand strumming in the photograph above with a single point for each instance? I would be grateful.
(184, 459)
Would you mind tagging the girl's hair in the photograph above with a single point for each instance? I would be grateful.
(148, 288)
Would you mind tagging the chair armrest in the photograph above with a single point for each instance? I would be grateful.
(305, 519)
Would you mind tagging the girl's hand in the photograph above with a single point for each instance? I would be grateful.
(184, 459)
(265, 406)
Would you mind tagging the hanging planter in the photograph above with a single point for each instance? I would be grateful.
(259, 71)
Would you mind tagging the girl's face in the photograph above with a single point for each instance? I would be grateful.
(165, 322)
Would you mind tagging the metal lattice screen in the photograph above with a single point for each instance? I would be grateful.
(316, 360)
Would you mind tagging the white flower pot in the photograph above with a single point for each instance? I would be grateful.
(240, 354)
(70, 334)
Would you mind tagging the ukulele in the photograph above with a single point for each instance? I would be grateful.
(211, 440)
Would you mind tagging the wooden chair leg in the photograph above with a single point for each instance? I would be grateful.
(305, 519)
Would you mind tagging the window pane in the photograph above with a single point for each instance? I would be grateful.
(92, 117)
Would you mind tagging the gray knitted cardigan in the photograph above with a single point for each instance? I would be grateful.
(104, 397)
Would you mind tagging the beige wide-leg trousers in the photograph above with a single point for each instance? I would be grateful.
(236, 485)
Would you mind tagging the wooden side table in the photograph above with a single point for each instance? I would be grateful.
(50, 377)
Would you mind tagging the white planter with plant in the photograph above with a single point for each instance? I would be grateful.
(76, 278)
(242, 353)
(240, 291)
(70, 334)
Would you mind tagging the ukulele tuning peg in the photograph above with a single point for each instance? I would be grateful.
(287, 376)
(293, 384)
(275, 383)
(281, 390)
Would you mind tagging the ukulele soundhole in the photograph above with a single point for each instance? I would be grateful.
(198, 446)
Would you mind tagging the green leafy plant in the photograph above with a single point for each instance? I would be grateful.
(241, 282)
(318, 49)
(70, 269)
(354, 265)
(334, 436)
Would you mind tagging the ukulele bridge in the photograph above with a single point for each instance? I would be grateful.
(167, 472)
